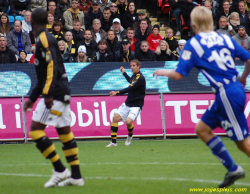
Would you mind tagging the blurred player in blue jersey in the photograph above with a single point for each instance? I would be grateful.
(213, 54)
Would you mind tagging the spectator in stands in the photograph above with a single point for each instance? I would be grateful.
(22, 57)
(38, 4)
(163, 53)
(4, 5)
(154, 38)
(51, 20)
(172, 42)
(124, 54)
(98, 33)
(133, 42)
(104, 4)
(225, 27)
(247, 2)
(85, 5)
(18, 40)
(19, 7)
(242, 38)
(226, 11)
(122, 6)
(5, 26)
(106, 21)
(234, 20)
(6, 54)
(53, 9)
(81, 57)
(66, 55)
(208, 5)
(176, 10)
(142, 15)
(57, 31)
(63, 5)
(215, 5)
(130, 16)
(181, 44)
(73, 13)
(144, 54)
(114, 11)
(186, 11)
(26, 26)
(142, 33)
(103, 54)
(93, 13)
(119, 30)
(112, 42)
(77, 32)
(70, 46)
(90, 44)
(244, 16)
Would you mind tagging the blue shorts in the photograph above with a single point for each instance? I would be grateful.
(227, 112)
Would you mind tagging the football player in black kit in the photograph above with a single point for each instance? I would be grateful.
(54, 108)
(132, 107)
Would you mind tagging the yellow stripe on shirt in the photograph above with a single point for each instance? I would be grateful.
(50, 74)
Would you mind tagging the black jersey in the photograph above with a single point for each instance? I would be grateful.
(51, 74)
(136, 90)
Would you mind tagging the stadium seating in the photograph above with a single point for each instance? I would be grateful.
(19, 17)
(11, 20)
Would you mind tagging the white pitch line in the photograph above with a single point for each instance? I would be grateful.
(132, 178)
(127, 163)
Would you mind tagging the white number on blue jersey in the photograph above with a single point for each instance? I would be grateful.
(223, 59)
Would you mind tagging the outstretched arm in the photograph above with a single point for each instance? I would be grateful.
(172, 74)
(122, 69)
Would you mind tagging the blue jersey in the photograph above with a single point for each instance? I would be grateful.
(213, 54)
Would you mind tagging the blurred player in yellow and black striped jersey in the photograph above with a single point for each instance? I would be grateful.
(54, 108)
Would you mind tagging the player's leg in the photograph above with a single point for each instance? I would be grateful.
(45, 145)
(133, 114)
(71, 152)
(114, 129)
(244, 146)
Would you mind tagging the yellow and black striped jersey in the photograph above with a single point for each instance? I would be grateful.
(51, 74)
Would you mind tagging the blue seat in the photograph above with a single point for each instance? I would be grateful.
(19, 17)
(11, 20)
(8, 11)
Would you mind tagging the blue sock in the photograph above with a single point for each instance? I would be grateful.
(219, 150)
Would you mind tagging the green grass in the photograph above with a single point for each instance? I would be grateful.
(147, 166)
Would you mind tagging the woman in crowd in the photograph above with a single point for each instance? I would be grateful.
(144, 54)
(130, 16)
(81, 57)
(67, 58)
(5, 26)
(51, 19)
(234, 20)
(114, 11)
(57, 31)
(163, 53)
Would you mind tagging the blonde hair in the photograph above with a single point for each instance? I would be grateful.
(202, 19)
(84, 58)
(158, 49)
(62, 42)
(233, 15)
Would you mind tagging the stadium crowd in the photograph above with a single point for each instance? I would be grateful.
(113, 30)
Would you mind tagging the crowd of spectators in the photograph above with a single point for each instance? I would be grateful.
(113, 30)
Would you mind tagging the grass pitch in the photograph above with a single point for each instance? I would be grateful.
(146, 166)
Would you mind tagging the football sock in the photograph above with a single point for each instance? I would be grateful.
(219, 150)
(130, 130)
(47, 148)
(71, 151)
(114, 129)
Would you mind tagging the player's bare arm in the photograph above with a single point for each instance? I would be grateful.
(245, 73)
(172, 74)
(28, 105)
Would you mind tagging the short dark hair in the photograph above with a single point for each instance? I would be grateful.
(130, 29)
(106, 9)
(39, 16)
(76, 20)
(144, 20)
(57, 23)
(102, 42)
(111, 31)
